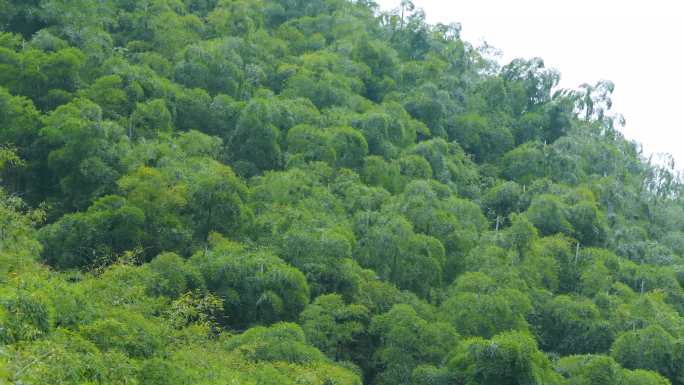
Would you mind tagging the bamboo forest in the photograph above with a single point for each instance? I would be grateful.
(319, 192)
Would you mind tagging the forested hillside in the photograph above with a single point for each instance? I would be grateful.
(209, 192)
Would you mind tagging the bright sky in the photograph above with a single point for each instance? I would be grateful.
(636, 44)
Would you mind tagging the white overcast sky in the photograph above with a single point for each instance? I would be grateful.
(637, 44)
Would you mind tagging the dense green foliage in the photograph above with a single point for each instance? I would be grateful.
(317, 192)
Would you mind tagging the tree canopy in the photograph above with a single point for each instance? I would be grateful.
(319, 192)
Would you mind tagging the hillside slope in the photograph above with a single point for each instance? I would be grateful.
(316, 192)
